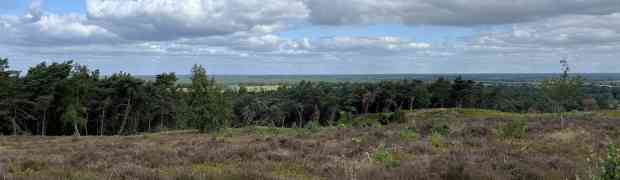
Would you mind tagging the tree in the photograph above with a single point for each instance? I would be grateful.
(461, 91)
(565, 92)
(210, 108)
(165, 93)
(43, 104)
(422, 97)
(72, 115)
(4, 66)
(440, 92)
(124, 89)
(13, 106)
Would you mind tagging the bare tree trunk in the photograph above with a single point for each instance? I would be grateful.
(136, 121)
(14, 121)
(76, 130)
(44, 123)
(161, 120)
(86, 124)
(300, 116)
(282, 119)
(149, 124)
(101, 122)
(332, 115)
(411, 101)
(125, 116)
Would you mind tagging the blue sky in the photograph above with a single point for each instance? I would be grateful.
(17, 7)
(314, 36)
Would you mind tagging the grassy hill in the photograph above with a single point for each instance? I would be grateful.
(426, 144)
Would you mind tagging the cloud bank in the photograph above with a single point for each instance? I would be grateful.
(506, 32)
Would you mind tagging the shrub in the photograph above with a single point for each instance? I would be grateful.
(442, 129)
(369, 120)
(514, 129)
(397, 116)
(386, 157)
(313, 126)
(27, 167)
(610, 166)
(437, 140)
(435, 123)
(359, 140)
(409, 134)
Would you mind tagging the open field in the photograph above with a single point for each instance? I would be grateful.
(428, 144)
(292, 79)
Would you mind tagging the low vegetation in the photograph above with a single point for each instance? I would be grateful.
(477, 144)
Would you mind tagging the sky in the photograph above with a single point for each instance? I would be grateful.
(148, 37)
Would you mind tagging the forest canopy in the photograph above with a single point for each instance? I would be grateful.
(71, 99)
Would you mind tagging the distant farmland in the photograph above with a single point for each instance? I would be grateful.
(289, 79)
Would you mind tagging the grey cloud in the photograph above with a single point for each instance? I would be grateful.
(273, 44)
(451, 12)
(369, 43)
(560, 32)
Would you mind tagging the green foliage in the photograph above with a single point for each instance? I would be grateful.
(386, 157)
(4, 65)
(437, 140)
(422, 97)
(369, 120)
(209, 107)
(610, 166)
(27, 168)
(440, 93)
(313, 126)
(516, 128)
(73, 117)
(565, 93)
(359, 141)
(51, 96)
(409, 133)
(440, 128)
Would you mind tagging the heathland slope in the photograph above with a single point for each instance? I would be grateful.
(428, 144)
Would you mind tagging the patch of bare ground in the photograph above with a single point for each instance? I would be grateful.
(442, 144)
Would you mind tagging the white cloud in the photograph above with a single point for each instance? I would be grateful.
(36, 28)
(173, 19)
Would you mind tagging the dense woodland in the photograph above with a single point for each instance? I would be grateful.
(71, 99)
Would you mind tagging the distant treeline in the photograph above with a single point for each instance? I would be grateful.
(67, 98)
(526, 78)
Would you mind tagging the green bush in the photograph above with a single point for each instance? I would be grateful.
(440, 128)
(313, 126)
(397, 116)
(610, 166)
(386, 157)
(514, 129)
(409, 134)
(437, 140)
(437, 122)
(369, 120)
